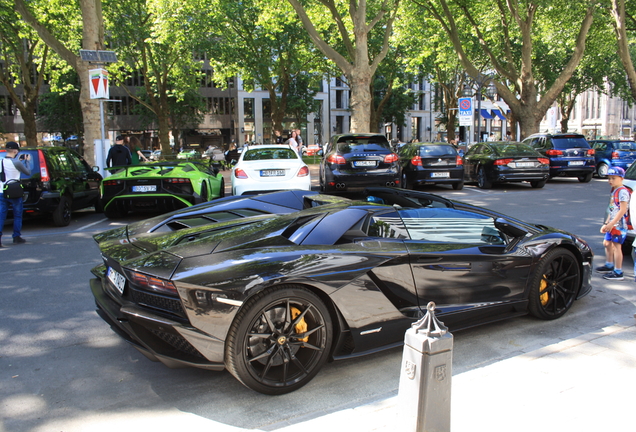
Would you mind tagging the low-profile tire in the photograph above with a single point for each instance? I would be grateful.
(406, 183)
(586, 178)
(114, 212)
(62, 214)
(222, 189)
(555, 285)
(204, 193)
(538, 184)
(99, 205)
(458, 185)
(482, 179)
(273, 350)
(601, 170)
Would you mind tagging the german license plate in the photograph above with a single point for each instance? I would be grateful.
(272, 173)
(524, 164)
(443, 174)
(367, 163)
(145, 188)
(576, 163)
(117, 279)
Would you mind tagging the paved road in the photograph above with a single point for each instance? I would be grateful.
(64, 369)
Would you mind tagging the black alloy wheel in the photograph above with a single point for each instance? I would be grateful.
(482, 179)
(62, 213)
(406, 183)
(279, 340)
(554, 285)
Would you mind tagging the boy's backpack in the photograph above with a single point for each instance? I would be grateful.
(617, 203)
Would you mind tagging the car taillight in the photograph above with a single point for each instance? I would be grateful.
(591, 152)
(417, 161)
(44, 172)
(239, 173)
(177, 180)
(615, 155)
(553, 152)
(390, 158)
(151, 283)
(502, 161)
(544, 161)
(304, 172)
(336, 159)
(112, 182)
(459, 160)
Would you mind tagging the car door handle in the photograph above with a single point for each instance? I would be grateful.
(429, 260)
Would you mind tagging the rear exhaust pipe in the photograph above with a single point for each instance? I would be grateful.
(390, 183)
(340, 186)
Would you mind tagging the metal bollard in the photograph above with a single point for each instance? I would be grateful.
(424, 395)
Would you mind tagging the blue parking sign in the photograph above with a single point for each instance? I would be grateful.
(465, 106)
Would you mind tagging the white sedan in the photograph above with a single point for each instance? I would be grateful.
(268, 168)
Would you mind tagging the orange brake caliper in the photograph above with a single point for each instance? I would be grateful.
(545, 296)
(301, 327)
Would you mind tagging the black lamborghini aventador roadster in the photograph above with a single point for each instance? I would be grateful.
(272, 297)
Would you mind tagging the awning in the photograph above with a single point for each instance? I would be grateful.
(499, 114)
(485, 114)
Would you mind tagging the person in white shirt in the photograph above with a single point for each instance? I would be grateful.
(292, 142)
(11, 169)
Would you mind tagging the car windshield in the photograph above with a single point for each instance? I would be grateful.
(514, 150)
(567, 142)
(269, 153)
(437, 151)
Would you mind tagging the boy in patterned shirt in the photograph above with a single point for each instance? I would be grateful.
(615, 226)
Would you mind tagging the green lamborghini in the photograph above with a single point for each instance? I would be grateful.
(160, 187)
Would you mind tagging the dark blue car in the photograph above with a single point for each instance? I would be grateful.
(613, 153)
(570, 154)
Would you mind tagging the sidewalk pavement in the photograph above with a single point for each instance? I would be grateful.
(583, 384)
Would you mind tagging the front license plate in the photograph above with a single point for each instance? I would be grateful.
(145, 188)
(117, 279)
(576, 163)
(364, 163)
(444, 174)
(524, 164)
(272, 173)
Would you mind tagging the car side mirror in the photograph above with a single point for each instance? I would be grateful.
(95, 169)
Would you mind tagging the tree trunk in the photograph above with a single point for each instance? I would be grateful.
(30, 126)
(361, 100)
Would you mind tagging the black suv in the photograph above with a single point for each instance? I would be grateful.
(352, 162)
(570, 154)
(61, 181)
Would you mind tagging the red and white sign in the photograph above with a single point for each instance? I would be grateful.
(98, 83)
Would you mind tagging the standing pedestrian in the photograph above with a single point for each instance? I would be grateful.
(134, 146)
(299, 140)
(11, 168)
(278, 139)
(118, 155)
(615, 226)
(292, 142)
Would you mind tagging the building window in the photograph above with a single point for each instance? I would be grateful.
(248, 108)
(267, 108)
(339, 95)
(339, 124)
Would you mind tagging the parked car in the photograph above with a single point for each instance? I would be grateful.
(272, 167)
(430, 163)
(311, 150)
(60, 182)
(352, 162)
(273, 297)
(160, 187)
(505, 162)
(570, 154)
(189, 154)
(147, 153)
(609, 153)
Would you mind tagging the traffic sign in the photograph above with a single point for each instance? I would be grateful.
(465, 111)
